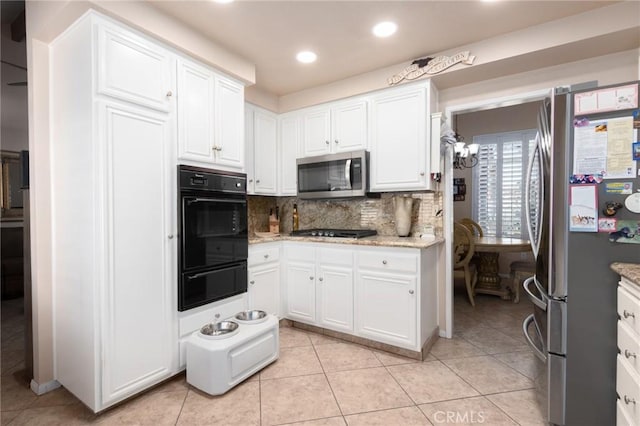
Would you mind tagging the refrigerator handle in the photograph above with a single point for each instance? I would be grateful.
(539, 302)
(533, 239)
(525, 329)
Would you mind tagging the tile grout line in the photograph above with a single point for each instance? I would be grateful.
(415, 404)
(327, 379)
(182, 406)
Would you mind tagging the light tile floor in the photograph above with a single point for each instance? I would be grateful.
(481, 376)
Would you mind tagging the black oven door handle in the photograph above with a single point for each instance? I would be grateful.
(214, 200)
(195, 276)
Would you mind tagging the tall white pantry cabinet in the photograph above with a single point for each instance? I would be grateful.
(114, 153)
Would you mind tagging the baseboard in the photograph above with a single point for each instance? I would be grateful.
(45, 387)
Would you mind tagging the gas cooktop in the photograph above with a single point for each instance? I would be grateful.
(336, 233)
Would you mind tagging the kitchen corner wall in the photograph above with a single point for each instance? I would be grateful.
(355, 213)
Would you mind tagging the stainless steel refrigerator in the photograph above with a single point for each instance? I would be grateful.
(573, 327)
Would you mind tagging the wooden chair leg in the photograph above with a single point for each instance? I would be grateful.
(516, 288)
(469, 284)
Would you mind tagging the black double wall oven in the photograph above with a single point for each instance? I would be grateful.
(213, 245)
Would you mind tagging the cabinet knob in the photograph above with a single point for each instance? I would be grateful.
(629, 354)
(410, 291)
(250, 180)
(336, 141)
(170, 236)
(266, 256)
(252, 282)
(219, 148)
(320, 279)
(257, 180)
(384, 262)
(327, 142)
(169, 94)
(311, 278)
(421, 173)
(628, 400)
(213, 148)
(627, 314)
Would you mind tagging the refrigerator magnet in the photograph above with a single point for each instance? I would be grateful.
(607, 224)
(636, 151)
(632, 202)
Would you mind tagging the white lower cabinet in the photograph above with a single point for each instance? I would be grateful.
(300, 275)
(320, 285)
(264, 278)
(387, 307)
(384, 294)
(387, 294)
(628, 365)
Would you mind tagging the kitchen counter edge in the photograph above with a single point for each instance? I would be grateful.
(630, 271)
(378, 240)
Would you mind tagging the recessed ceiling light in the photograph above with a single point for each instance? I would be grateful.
(223, 1)
(306, 57)
(384, 29)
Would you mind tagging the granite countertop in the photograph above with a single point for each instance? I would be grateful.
(377, 240)
(631, 271)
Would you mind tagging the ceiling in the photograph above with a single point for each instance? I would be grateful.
(270, 33)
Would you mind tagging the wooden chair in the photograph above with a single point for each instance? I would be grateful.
(463, 251)
(472, 226)
(520, 271)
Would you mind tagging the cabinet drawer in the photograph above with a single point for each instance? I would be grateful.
(628, 388)
(388, 261)
(629, 345)
(258, 256)
(336, 256)
(629, 309)
(622, 417)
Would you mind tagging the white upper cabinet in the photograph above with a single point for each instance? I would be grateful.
(196, 87)
(337, 127)
(317, 132)
(400, 134)
(349, 126)
(289, 139)
(133, 69)
(229, 123)
(210, 117)
(261, 150)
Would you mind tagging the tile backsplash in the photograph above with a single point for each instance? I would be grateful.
(352, 213)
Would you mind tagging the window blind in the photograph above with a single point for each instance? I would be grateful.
(498, 182)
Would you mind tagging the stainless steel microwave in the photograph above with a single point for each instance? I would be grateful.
(334, 175)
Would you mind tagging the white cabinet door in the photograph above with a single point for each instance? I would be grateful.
(229, 123)
(265, 153)
(386, 307)
(317, 132)
(289, 148)
(264, 288)
(139, 204)
(335, 297)
(349, 126)
(133, 69)
(301, 294)
(398, 140)
(196, 87)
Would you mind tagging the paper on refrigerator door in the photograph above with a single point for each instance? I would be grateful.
(620, 163)
(583, 208)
